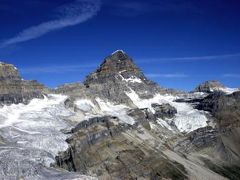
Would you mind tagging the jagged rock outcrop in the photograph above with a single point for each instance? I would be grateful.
(13, 89)
(209, 86)
(142, 116)
(199, 139)
(104, 148)
(226, 110)
(117, 63)
(119, 74)
(164, 110)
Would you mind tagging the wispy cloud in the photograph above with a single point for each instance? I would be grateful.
(69, 15)
(231, 75)
(189, 59)
(61, 69)
(168, 75)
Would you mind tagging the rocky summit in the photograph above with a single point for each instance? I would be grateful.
(13, 89)
(211, 86)
(117, 64)
(117, 124)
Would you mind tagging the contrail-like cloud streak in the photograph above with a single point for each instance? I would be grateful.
(70, 15)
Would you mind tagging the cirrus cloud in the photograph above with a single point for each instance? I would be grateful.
(69, 15)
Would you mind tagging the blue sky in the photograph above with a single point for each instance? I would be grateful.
(177, 43)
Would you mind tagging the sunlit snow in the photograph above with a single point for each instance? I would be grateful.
(103, 108)
(132, 79)
(187, 118)
(37, 126)
(119, 111)
(226, 90)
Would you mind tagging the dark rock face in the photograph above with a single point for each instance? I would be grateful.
(226, 110)
(164, 110)
(209, 86)
(101, 147)
(119, 62)
(198, 140)
(15, 90)
(142, 116)
(118, 74)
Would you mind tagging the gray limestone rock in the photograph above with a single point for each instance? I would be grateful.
(13, 89)
(164, 110)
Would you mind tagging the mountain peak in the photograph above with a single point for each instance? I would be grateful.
(209, 86)
(8, 71)
(118, 51)
(118, 63)
(13, 89)
(118, 55)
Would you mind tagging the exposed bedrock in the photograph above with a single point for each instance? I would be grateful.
(105, 149)
(13, 89)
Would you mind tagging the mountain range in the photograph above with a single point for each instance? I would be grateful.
(117, 124)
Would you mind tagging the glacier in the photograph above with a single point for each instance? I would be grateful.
(187, 118)
(33, 138)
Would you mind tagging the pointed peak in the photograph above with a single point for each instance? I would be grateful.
(209, 86)
(118, 51)
(118, 55)
(117, 63)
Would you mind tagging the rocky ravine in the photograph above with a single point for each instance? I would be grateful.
(120, 125)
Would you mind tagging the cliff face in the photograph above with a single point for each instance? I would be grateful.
(226, 110)
(106, 149)
(15, 90)
(119, 63)
(209, 86)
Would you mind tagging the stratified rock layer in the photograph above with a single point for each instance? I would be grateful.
(103, 148)
(15, 90)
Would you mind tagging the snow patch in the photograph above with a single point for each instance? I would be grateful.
(119, 50)
(187, 118)
(85, 105)
(132, 79)
(230, 90)
(119, 111)
(164, 124)
(226, 90)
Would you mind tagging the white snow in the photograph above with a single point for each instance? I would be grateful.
(226, 90)
(103, 108)
(187, 118)
(85, 105)
(37, 125)
(230, 90)
(119, 50)
(119, 111)
(164, 124)
(132, 79)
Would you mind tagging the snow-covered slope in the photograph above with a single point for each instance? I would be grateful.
(226, 90)
(102, 108)
(187, 118)
(33, 137)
